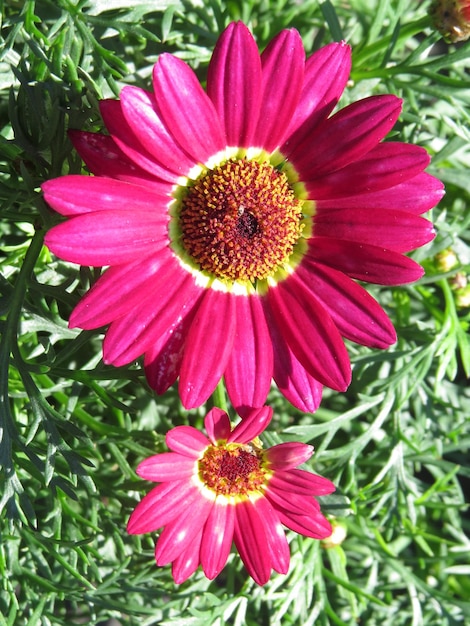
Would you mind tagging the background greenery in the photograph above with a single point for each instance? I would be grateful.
(73, 429)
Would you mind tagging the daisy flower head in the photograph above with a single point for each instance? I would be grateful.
(235, 220)
(224, 488)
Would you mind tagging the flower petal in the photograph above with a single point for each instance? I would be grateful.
(161, 505)
(125, 139)
(164, 355)
(167, 466)
(251, 542)
(310, 333)
(75, 194)
(275, 535)
(186, 563)
(250, 366)
(140, 110)
(346, 136)
(356, 314)
(395, 230)
(417, 195)
(386, 165)
(283, 63)
(326, 75)
(108, 237)
(301, 482)
(121, 289)
(187, 440)
(288, 455)
(365, 262)
(292, 502)
(131, 335)
(315, 526)
(234, 83)
(217, 537)
(103, 157)
(207, 348)
(178, 535)
(217, 425)
(300, 388)
(252, 426)
(186, 109)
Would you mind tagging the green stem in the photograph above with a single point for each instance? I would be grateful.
(10, 332)
(219, 396)
(8, 430)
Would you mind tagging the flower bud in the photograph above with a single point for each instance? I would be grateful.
(452, 19)
(446, 260)
(462, 298)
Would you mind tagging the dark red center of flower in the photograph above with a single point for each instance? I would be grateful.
(240, 221)
(231, 470)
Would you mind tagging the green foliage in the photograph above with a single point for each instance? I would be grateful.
(72, 429)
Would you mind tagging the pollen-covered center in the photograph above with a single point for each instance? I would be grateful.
(241, 220)
(231, 470)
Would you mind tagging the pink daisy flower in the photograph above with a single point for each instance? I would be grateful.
(236, 220)
(224, 488)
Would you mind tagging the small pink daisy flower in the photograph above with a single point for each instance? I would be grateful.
(224, 488)
(236, 220)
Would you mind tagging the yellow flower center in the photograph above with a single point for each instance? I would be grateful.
(232, 470)
(240, 221)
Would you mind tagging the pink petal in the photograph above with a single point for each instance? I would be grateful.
(121, 289)
(181, 532)
(395, 230)
(161, 505)
(217, 425)
(140, 110)
(275, 535)
(301, 482)
(187, 440)
(186, 109)
(217, 537)
(168, 466)
(234, 83)
(347, 136)
(103, 157)
(162, 367)
(310, 333)
(386, 165)
(163, 356)
(126, 140)
(207, 348)
(356, 314)
(131, 335)
(76, 194)
(315, 526)
(283, 69)
(252, 426)
(417, 195)
(300, 388)
(108, 237)
(186, 563)
(251, 542)
(326, 75)
(250, 366)
(288, 455)
(288, 501)
(365, 262)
